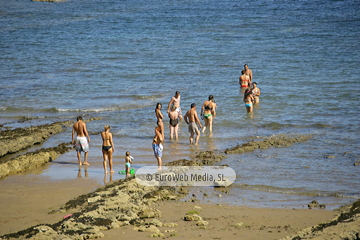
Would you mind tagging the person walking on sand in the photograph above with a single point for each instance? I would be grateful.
(248, 99)
(174, 123)
(82, 140)
(160, 117)
(248, 72)
(256, 93)
(157, 146)
(128, 160)
(107, 148)
(192, 120)
(208, 113)
(244, 80)
(176, 102)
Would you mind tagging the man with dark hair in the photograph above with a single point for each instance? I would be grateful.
(191, 118)
(82, 140)
(247, 71)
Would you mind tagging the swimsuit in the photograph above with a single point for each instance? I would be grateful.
(208, 108)
(247, 84)
(248, 104)
(179, 110)
(174, 122)
(255, 91)
(207, 115)
(81, 144)
(193, 127)
(106, 148)
(158, 148)
(127, 165)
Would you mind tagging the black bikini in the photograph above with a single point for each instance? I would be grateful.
(106, 148)
(174, 122)
(208, 108)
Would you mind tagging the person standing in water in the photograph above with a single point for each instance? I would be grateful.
(244, 80)
(82, 139)
(160, 117)
(256, 93)
(128, 160)
(248, 99)
(107, 148)
(208, 112)
(174, 123)
(157, 146)
(176, 102)
(248, 71)
(192, 120)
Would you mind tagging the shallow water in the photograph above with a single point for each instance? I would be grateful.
(116, 60)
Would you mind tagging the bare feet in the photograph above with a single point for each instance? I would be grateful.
(86, 163)
(112, 171)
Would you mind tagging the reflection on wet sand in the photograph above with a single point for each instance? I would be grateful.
(79, 175)
(110, 177)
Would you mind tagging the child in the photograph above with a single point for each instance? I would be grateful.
(128, 160)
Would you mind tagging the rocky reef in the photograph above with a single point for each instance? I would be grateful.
(123, 202)
(273, 141)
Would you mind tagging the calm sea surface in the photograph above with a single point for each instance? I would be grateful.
(117, 59)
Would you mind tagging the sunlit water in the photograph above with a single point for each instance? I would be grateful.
(116, 60)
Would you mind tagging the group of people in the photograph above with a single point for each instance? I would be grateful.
(82, 145)
(251, 90)
(208, 113)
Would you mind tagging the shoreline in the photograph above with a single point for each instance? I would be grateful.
(124, 205)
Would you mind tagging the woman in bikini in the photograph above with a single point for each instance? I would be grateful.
(107, 148)
(208, 112)
(248, 99)
(256, 93)
(174, 122)
(244, 80)
(160, 117)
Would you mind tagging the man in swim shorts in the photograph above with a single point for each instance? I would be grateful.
(157, 146)
(82, 140)
(248, 71)
(192, 120)
(175, 101)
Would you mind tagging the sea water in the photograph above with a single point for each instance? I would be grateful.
(117, 59)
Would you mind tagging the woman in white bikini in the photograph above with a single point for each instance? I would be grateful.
(256, 93)
(107, 148)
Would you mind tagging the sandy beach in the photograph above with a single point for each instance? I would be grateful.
(31, 199)
(35, 207)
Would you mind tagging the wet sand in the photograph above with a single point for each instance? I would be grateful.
(28, 201)
(34, 207)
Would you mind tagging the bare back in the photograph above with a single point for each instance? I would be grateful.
(107, 138)
(191, 116)
(244, 80)
(80, 128)
(173, 115)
